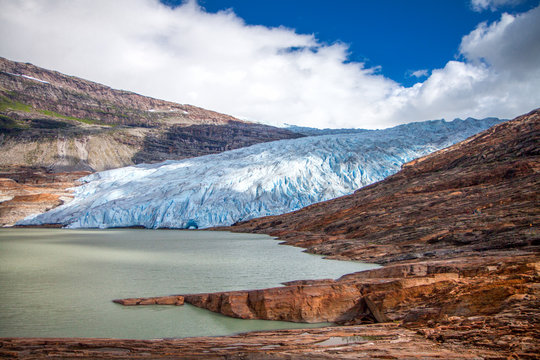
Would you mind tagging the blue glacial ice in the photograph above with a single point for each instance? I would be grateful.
(263, 179)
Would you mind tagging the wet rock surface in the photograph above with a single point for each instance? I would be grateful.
(377, 341)
(161, 300)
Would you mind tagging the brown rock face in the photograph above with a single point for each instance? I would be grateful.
(298, 303)
(162, 300)
(26, 191)
(377, 341)
(65, 123)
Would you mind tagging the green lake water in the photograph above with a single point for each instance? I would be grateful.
(61, 283)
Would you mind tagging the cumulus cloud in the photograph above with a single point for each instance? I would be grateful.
(481, 5)
(271, 75)
(420, 73)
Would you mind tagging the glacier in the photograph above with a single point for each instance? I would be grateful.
(264, 179)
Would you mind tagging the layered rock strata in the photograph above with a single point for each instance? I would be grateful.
(377, 341)
(25, 191)
(484, 297)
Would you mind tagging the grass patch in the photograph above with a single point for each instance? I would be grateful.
(119, 114)
(9, 104)
(6, 104)
(86, 121)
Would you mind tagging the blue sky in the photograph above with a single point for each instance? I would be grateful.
(400, 36)
(310, 63)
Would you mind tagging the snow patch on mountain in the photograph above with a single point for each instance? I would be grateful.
(260, 180)
(29, 78)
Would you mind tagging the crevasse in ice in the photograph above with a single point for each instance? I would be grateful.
(263, 179)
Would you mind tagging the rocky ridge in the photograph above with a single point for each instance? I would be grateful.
(53, 124)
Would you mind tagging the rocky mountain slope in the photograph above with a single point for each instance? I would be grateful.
(458, 230)
(66, 123)
(263, 179)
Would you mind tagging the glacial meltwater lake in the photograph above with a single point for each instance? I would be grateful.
(61, 283)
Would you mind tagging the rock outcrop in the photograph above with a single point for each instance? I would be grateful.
(25, 191)
(484, 297)
(377, 341)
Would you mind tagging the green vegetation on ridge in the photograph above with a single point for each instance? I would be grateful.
(8, 104)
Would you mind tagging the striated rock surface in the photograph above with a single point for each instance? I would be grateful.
(485, 297)
(26, 191)
(65, 123)
(377, 341)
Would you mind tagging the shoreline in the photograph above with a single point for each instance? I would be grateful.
(360, 342)
(412, 303)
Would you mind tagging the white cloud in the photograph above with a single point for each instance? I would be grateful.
(420, 73)
(499, 75)
(272, 75)
(481, 5)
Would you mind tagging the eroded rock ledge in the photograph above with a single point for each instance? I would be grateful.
(160, 300)
(493, 299)
(376, 341)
